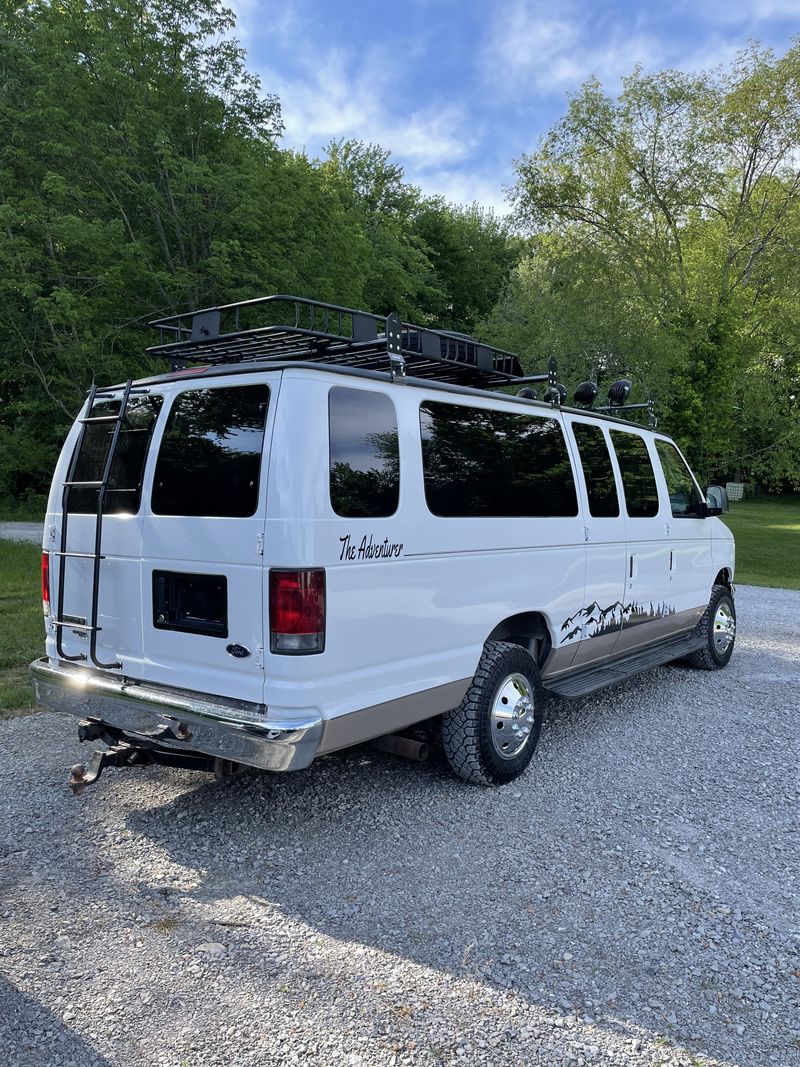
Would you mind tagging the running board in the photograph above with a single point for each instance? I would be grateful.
(581, 683)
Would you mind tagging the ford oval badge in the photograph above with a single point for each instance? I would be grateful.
(238, 651)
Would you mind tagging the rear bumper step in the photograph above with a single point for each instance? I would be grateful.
(179, 719)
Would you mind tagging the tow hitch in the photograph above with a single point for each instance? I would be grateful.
(140, 752)
(121, 755)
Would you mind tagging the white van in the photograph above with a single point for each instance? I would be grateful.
(325, 526)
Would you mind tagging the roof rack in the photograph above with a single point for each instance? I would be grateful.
(285, 328)
(293, 327)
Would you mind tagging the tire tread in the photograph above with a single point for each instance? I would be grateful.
(461, 727)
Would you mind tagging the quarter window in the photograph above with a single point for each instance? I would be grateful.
(684, 496)
(598, 473)
(124, 490)
(364, 454)
(210, 456)
(483, 463)
(638, 478)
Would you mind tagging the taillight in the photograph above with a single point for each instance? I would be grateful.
(297, 611)
(46, 582)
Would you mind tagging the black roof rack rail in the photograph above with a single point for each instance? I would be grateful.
(292, 327)
(287, 328)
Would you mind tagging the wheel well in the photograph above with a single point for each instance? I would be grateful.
(528, 629)
(723, 578)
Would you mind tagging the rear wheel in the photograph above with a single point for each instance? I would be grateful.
(718, 629)
(492, 735)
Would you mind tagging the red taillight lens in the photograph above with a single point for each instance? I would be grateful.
(297, 611)
(46, 582)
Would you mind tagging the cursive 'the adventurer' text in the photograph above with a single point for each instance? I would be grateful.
(369, 548)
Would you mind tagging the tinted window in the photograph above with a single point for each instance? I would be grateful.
(638, 479)
(684, 496)
(364, 454)
(124, 491)
(597, 470)
(210, 455)
(494, 463)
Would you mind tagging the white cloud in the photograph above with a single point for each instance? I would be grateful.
(468, 187)
(339, 94)
(287, 21)
(531, 47)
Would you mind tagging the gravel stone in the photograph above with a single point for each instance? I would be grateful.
(631, 900)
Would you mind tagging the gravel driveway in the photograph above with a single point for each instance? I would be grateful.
(21, 531)
(632, 900)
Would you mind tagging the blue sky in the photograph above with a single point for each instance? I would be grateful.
(458, 89)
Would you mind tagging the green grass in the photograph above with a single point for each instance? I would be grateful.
(767, 532)
(21, 626)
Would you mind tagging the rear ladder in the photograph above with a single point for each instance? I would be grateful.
(102, 487)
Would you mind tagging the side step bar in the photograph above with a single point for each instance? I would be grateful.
(581, 683)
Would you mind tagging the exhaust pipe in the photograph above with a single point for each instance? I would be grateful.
(407, 747)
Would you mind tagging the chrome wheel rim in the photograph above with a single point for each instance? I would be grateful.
(512, 716)
(724, 628)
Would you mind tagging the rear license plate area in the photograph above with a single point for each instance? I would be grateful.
(190, 603)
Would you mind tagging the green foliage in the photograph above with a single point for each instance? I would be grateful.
(140, 175)
(662, 225)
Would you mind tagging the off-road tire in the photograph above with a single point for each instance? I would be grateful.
(709, 658)
(466, 730)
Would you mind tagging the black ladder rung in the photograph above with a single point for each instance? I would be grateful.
(101, 418)
(116, 392)
(84, 485)
(77, 555)
(76, 625)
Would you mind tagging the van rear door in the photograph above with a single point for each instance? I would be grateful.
(203, 599)
(85, 455)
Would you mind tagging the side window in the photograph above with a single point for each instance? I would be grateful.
(479, 462)
(364, 454)
(210, 455)
(638, 478)
(598, 473)
(124, 492)
(684, 497)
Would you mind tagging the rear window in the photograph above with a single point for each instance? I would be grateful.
(364, 454)
(482, 463)
(210, 456)
(638, 478)
(124, 489)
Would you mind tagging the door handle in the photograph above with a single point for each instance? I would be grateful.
(631, 565)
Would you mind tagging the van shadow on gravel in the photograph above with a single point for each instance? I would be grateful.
(608, 882)
(31, 1036)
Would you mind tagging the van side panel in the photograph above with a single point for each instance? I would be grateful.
(411, 598)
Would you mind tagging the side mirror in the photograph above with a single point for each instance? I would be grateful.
(716, 500)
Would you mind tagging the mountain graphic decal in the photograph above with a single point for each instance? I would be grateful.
(593, 621)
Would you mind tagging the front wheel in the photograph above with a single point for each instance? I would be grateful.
(492, 735)
(718, 630)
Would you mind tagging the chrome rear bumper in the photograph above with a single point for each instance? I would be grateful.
(216, 726)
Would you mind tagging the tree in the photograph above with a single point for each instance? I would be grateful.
(472, 253)
(681, 196)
